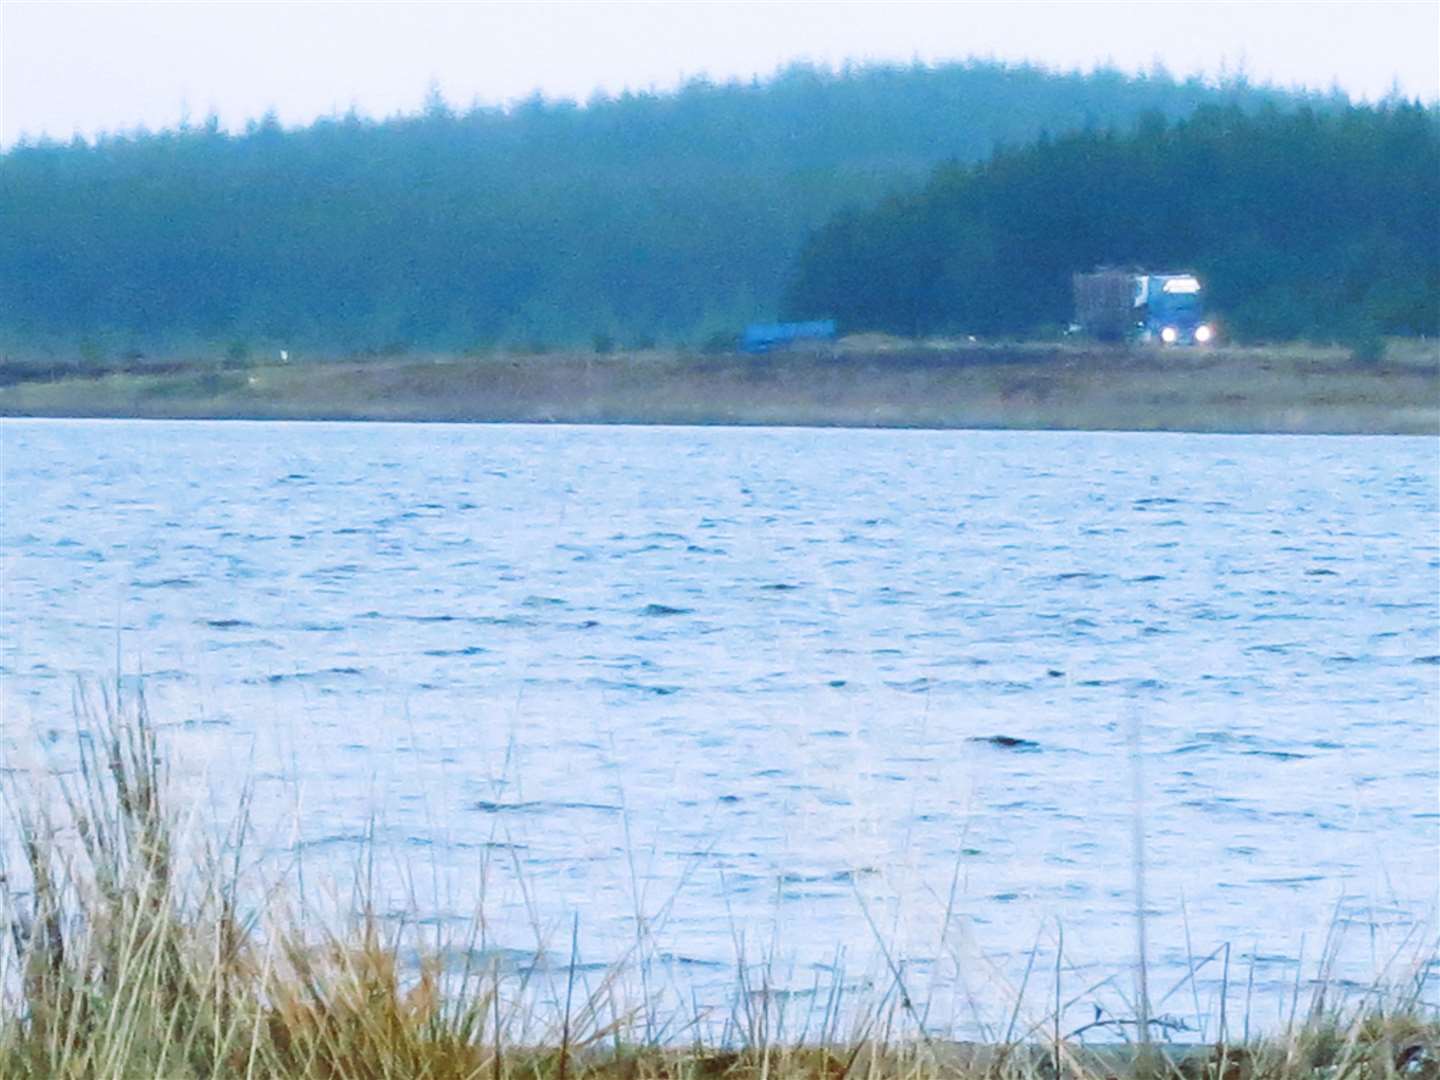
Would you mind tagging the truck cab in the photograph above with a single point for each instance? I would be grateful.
(1170, 308)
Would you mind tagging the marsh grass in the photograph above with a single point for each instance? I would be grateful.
(869, 381)
(128, 956)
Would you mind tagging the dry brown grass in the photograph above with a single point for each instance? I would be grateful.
(863, 382)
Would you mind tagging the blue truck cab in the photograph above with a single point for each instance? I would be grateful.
(1170, 308)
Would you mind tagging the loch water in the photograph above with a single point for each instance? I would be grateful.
(822, 700)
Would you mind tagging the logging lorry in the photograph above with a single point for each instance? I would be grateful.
(1127, 305)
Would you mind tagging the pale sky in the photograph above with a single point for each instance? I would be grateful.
(92, 67)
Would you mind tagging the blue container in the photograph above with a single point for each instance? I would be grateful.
(762, 337)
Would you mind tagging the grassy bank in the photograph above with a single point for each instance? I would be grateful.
(129, 955)
(862, 382)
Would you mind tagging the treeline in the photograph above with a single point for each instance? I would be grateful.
(1320, 224)
(649, 216)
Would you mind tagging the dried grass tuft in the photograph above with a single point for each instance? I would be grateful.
(124, 959)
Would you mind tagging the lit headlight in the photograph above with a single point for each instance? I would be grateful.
(1169, 335)
(1203, 333)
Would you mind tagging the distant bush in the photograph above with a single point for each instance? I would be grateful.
(205, 384)
(1367, 349)
(722, 341)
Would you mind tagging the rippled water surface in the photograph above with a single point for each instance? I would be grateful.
(778, 691)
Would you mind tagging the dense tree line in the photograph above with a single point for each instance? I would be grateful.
(1311, 223)
(669, 216)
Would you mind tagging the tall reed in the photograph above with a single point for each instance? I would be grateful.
(134, 951)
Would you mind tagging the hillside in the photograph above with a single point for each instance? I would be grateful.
(649, 216)
(1303, 223)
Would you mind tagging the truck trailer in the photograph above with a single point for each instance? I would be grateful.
(1127, 305)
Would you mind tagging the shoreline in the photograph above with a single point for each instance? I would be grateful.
(859, 383)
(733, 425)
